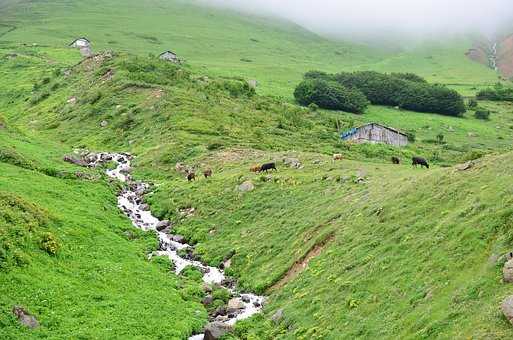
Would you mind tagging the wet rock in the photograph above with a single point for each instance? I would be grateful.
(256, 304)
(144, 207)
(507, 308)
(178, 238)
(245, 299)
(73, 160)
(228, 282)
(162, 225)
(292, 162)
(24, 317)
(207, 300)
(220, 311)
(234, 305)
(216, 330)
(247, 186)
(277, 316)
(507, 271)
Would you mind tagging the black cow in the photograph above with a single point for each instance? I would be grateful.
(268, 166)
(419, 161)
(396, 160)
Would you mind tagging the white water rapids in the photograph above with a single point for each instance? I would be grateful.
(131, 202)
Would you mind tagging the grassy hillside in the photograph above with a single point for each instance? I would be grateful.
(219, 42)
(392, 250)
(71, 258)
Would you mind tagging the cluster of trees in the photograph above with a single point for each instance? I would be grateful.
(497, 93)
(405, 90)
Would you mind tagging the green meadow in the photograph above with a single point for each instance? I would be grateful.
(353, 248)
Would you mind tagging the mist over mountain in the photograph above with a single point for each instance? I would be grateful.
(383, 18)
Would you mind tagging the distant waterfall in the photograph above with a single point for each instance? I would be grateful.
(492, 57)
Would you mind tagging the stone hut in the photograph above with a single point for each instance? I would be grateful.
(376, 133)
(169, 56)
(84, 45)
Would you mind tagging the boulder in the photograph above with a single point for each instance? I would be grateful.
(247, 186)
(277, 316)
(216, 330)
(24, 317)
(465, 166)
(292, 162)
(507, 271)
(162, 225)
(507, 308)
(178, 238)
(234, 305)
(245, 299)
(144, 207)
(207, 300)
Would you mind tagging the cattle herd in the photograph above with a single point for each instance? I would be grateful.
(266, 167)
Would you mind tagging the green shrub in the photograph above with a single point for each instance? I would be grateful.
(330, 95)
(49, 243)
(472, 104)
(497, 93)
(482, 114)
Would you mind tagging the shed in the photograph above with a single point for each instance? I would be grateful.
(169, 56)
(376, 133)
(80, 43)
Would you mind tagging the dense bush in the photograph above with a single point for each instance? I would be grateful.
(330, 95)
(482, 114)
(497, 93)
(405, 90)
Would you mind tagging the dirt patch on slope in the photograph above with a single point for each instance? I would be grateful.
(505, 57)
(302, 264)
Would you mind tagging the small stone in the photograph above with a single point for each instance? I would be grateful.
(277, 316)
(216, 330)
(507, 308)
(207, 300)
(507, 271)
(234, 305)
(144, 207)
(104, 123)
(162, 225)
(292, 162)
(245, 299)
(24, 317)
(178, 238)
(247, 186)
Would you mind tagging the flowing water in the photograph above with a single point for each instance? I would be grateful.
(131, 202)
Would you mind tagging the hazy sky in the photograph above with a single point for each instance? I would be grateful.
(378, 17)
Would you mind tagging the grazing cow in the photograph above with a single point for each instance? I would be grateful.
(191, 176)
(255, 168)
(337, 157)
(419, 161)
(268, 166)
(207, 173)
(396, 160)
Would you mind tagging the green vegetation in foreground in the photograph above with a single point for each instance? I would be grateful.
(407, 250)
(220, 42)
(70, 257)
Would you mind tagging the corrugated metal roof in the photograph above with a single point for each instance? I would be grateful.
(351, 132)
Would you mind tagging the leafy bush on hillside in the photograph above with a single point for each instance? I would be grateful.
(482, 114)
(497, 93)
(406, 90)
(330, 95)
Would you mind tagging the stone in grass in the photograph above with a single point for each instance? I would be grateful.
(507, 271)
(215, 330)
(246, 186)
(24, 317)
(277, 316)
(507, 308)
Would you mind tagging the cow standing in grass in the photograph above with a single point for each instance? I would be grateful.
(267, 166)
(420, 161)
(396, 160)
(191, 176)
(207, 173)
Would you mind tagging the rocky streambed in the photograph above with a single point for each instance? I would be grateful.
(131, 202)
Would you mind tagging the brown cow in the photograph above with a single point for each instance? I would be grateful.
(191, 176)
(338, 157)
(207, 173)
(255, 168)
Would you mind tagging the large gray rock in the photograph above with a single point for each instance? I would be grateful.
(162, 225)
(247, 186)
(216, 330)
(507, 308)
(292, 162)
(507, 271)
(235, 305)
(24, 317)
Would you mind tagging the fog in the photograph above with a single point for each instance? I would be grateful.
(377, 18)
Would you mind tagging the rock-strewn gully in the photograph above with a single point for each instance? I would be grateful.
(131, 202)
